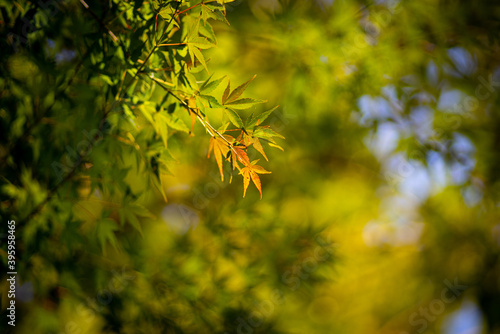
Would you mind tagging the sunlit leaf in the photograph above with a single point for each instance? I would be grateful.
(209, 86)
(257, 145)
(201, 42)
(276, 146)
(226, 91)
(212, 101)
(254, 119)
(239, 155)
(220, 149)
(238, 91)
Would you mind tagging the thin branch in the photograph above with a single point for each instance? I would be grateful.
(172, 44)
(156, 26)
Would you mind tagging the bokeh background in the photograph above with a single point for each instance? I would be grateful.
(380, 216)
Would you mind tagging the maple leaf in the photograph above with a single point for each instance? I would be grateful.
(247, 140)
(251, 172)
(258, 146)
(243, 141)
(220, 148)
(226, 91)
(240, 155)
(192, 114)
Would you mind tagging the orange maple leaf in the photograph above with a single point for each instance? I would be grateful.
(251, 172)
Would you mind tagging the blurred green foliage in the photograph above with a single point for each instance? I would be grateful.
(380, 215)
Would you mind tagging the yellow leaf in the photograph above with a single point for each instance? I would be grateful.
(246, 181)
(226, 91)
(256, 181)
(240, 155)
(220, 149)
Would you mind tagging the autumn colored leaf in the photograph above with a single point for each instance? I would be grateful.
(251, 172)
(240, 155)
(201, 42)
(237, 91)
(213, 103)
(276, 146)
(244, 139)
(220, 149)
